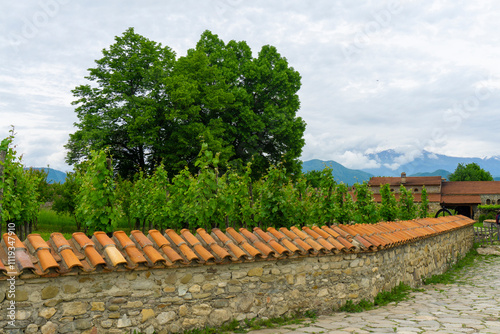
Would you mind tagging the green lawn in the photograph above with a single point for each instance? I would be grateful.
(49, 221)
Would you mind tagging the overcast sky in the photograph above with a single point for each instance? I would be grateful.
(405, 75)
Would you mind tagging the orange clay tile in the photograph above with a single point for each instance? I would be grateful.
(59, 241)
(181, 244)
(270, 240)
(88, 247)
(147, 247)
(12, 240)
(70, 258)
(103, 239)
(342, 233)
(141, 239)
(307, 239)
(135, 255)
(347, 229)
(114, 256)
(365, 243)
(23, 260)
(242, 242)
(299, 242)
(263, 248)
(330, 231)
(196, 244)
(123, 239)
(37, 242)
(283, 239)
(319, 239)
(207, 238)
(349, 247)
(329, 238)
(164, 245)
(46, 259)
(238, 252)
(82, 240)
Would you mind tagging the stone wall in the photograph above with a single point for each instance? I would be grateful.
(172, 300)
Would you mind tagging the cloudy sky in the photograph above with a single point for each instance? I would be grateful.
(403, 75)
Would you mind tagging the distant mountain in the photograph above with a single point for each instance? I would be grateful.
(339, 172)
(53, 176)
(392, 163)
(440, 172)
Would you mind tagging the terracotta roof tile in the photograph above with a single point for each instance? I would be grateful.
(112, 255)
(306, 238)
(154, 257)
(237, 253)
(196, 244)
(319, 239)
(95, 260)
(185, 250)
(263, 248)
(42, 252)
(242, 242)
(220, 252)
(163, 244)
(272, 242)
(285, 241)
(36, 257)
(298, 241)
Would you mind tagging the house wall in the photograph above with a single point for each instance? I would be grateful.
(171, 300)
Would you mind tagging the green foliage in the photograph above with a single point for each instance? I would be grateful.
(388, 209)
(397, 294)
(424, 204)
(313, 178)
(149, 107)
(20, 200)
(365, 208)
(97, 204)
(407, 209)
(344, 205)
(65, 201)
(470, 172)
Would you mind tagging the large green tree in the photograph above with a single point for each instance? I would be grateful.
(149, 107)
(470, 172)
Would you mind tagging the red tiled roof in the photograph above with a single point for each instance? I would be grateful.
(470, 188)
(417, 197)
(461, 199)
(410, 180)
(35, 257)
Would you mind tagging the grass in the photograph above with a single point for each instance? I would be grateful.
(397, 294)
(50, 221)
(254, 324)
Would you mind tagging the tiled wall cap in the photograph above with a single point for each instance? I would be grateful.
(82, 240)
(103, 239)
(59, 241)
(158, 238)
(141, 239)
(58, 256)
(205, 236)
(11, 239)
(37, 242)
(177, 240)
(123, 239)
(189, 237)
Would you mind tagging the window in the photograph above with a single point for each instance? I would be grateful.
(488, 201)
(415, 190)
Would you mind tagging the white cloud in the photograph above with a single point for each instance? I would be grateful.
(411, 65)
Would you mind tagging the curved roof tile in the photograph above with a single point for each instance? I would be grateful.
(36, 257)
